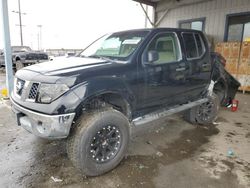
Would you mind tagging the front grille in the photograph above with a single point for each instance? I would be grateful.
(33, 91)
(19, 86)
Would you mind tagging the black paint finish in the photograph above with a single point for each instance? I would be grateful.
(144, 87)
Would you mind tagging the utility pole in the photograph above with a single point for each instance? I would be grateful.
(7, 47)
(146, 18)
(20, 20)
(38, 45)
(39, 37)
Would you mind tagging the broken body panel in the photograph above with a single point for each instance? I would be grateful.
(226, 82)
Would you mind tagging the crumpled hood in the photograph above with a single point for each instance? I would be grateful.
(64, 65)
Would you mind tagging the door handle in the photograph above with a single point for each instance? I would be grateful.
(180, 69)
(205, 65)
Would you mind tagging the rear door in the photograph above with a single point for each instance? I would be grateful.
(199, 65)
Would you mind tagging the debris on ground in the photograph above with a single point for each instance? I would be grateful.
(159, 154)
(216, 123)
(142, 166)
(149, 142)
(230, 153)
(160, 129)
(56, 180)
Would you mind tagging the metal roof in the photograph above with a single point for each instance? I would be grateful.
(152, 2)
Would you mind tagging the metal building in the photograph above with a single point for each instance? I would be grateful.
(225, 22)
(222, 20)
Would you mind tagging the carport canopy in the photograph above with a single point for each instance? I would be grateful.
(163, 7)
(149, 2)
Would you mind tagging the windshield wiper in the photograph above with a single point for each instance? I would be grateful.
(101, 57)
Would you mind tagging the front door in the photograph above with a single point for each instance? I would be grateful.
(165, 77)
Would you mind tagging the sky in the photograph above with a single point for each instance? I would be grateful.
(71, 23)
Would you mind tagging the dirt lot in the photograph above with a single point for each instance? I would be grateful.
(167, 153)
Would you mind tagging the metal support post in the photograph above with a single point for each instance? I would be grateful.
(7, 47)
(20, 22)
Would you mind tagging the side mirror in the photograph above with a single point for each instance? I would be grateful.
(153, 56)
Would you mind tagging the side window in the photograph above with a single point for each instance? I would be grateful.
(166, 46)
(200, 44)
(194, 45)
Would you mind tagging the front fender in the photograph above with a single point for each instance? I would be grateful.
(103, 85)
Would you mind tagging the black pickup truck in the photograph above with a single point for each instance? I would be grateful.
(121, 80)
(23, 56)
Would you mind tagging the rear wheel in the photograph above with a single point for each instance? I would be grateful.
(99, 141)
(205, 113)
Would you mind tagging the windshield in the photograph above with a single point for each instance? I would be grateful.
(21, 49)
(116, 46)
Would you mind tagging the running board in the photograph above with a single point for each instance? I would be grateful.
(166, 112)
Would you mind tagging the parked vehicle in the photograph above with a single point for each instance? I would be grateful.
(121, 80)
(23, 56)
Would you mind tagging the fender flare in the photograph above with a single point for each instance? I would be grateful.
(104, 85)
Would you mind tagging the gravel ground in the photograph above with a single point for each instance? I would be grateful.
(167, 153)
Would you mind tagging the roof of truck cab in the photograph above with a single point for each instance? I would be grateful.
(160, 29)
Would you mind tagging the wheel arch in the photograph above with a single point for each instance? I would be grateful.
(113, 98)
(119, 98)
(17, 58)
(220, 88)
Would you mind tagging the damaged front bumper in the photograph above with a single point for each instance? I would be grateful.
(42, 125)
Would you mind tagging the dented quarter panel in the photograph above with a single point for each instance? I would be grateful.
(219, 74)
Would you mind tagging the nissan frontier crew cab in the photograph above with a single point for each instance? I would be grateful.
(121, 80)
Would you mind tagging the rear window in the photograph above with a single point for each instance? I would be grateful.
(194, 45)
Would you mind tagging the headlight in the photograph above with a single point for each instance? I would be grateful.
(50, 92)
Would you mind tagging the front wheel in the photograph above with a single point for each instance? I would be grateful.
(205, 113)
(19, 65)
(99, 141)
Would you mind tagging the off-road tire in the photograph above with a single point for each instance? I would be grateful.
(19, 65)
(196, 114)
(86, 128)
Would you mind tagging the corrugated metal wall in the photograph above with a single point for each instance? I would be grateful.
(215, 12)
